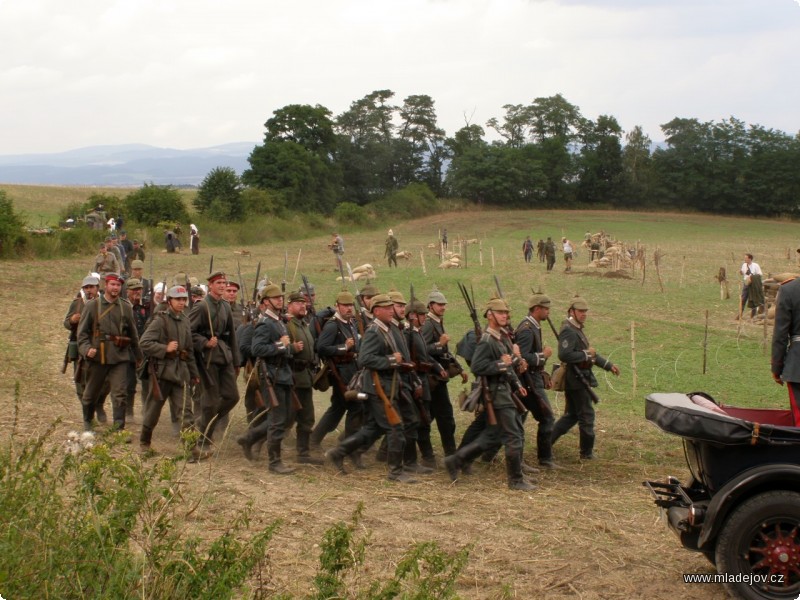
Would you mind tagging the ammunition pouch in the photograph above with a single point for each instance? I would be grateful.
(72, 350)
(454, 369)
(120, 341)
(406, 367)
(345, 359)
(320, 381)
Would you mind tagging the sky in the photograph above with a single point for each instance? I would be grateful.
(198, 73)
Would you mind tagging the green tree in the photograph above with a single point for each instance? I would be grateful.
(297, 159)
(600, 166)
(421, 148)
(220, 195)
(152, 204)
(11, 224)
(637, 168)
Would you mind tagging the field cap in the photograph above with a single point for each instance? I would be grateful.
(137, 264)
(382, 300)
(215, 275)
(296, 297)
(134, 284)
(198, 291)
(159, 287)
(416, 307)
(437, 297)
(232, 283)
(311, 289)
(177, 291)
(539, 300)
(344, 297)
(90, 280)
(496, 305)
(396, 297)
(113, 277)
(270, 291)
(579, 303)
(368, 291)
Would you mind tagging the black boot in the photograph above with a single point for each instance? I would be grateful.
(396, 472)
(247, 445)
(275, 463)
(462, 457)
(516, 480)
(382, 455)
(88, 415)
(410, 464)
(347, 447)
(428, 459)
(587, 445)
(303, 450)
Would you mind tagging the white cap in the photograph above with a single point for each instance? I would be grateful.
(159, 287)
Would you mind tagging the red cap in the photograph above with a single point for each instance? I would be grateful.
(113, 277)
(216, 275)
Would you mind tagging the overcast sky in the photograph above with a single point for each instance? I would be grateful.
(195, 73)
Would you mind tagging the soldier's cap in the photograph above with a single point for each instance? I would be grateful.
(382, 300)
(216, 275)
(193, 281)
(108, 238)
(102, 246)
(296, 297)
(90, 280)
(396, 297)
(270, 291)
(137, 264)
(539, 299)
(416, 307)
(135, 241)
(179, 278)
(198, 291)
(437, 297)
(496, 305)
(368, 291)
(311, 289)
(579, 303)
(177, 291)
(134, 284)
(113, 277)
(344, 297)
(233, 284)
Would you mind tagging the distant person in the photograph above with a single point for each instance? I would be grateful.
(540, 250)
(752, 286)
(444, 238)
(137, 253)
(568, 253)
(112, 224)
(550, 253)
(390, 252)
(527, 249)
(337, 246)
(194, 234)
(105, 262)
(170, 242)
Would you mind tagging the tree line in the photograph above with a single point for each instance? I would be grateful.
(547, 155)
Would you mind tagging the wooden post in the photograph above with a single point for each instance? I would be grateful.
(705, 344)
(480, 252)
(683, 267)
(633, 355)
(463, 251)
(422, 258)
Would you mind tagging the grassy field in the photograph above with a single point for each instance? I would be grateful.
(590, 531)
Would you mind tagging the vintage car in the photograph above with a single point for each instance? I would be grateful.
(741, 507)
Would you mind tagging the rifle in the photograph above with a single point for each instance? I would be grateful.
(391, 414)
(211, 265)
(189, 291)
(359, 315)
(155, 389)
(66, 360)
(491, 419)
(581, 377)
(253, 308)
(263, 376)
(241, 287)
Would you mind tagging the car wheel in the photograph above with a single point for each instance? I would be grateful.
(761, 539)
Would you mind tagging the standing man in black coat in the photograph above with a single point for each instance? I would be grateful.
(786, 343)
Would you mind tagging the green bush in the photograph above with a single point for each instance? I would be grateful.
(12, 238)
(152, 204)
(348, 213)
(413, 201)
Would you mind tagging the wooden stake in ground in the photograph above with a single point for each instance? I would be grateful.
(683, 267)
(492, 258)
(633, 355)
(480, 253)
(724, 291)
(656, 259)
(422, 258)
(297, 265)
(463, 252)
(705, 345)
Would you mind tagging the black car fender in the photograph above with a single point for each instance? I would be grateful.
(764, 478)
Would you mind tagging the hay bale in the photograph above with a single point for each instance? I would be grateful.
(404, 254)
(363, 268)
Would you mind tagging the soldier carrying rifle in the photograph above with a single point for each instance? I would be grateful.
(578, 357)
(494, 362)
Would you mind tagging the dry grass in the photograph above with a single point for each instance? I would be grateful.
(590, 531)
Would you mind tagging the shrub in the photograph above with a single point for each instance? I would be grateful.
(152, 204)
(414, 200)
(348, 213)
(12, 237)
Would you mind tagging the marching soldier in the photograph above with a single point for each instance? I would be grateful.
(105, 262)
(106, 336)
(437, 339)
(494, 362)
(578, 357)
(141, 315)
(337, 345)
(167, 343)
(528, 337)
(303, 362)
(273, 350)
(217, 354)
(416, 314)
(89, 289)
(391, 249)
(381, 359)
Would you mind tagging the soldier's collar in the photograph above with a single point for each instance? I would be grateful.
(434, 317)
(381, 325)
(534, 322)
(574, 323)
(340, 318)
(498, 335)
(271, 315)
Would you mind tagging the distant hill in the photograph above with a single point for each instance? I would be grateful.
(123, 165)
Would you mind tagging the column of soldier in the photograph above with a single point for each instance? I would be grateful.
(387, 363)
